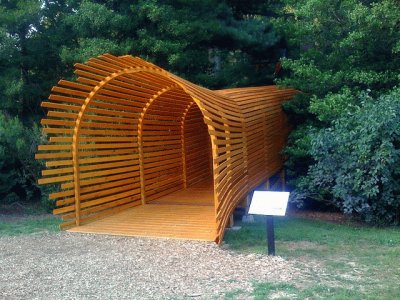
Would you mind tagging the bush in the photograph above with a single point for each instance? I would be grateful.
(358, 161)
(19, 170)
(336, 50)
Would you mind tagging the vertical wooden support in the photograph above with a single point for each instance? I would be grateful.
(141, 158)
(184, 167)
(264, 142)
(184, 171)
(77, 185)
(75, 145)
(245, 154)
(228, 148)
(228, 145)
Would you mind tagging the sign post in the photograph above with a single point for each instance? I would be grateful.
(271, 235)
(269, 204)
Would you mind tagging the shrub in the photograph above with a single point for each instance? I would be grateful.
(19, 170)
(336, 50)
(358, 161)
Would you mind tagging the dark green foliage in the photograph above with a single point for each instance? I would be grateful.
(349, 44)
(337, 51)
(358, 161)
(214, 43)
(29, 66)
(18, 21)
(96, 28)
(208, 46)
(19, 170)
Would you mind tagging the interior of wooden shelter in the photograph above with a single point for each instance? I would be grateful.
(176, 154)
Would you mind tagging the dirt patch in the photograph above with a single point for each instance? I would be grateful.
(333, 217)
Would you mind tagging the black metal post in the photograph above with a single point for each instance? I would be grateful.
(270, 235)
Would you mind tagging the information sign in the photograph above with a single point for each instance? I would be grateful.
(269, 203)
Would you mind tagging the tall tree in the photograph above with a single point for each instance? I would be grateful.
(214, 43)
(210, 42)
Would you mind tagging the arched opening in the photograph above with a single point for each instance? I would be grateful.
(158, 158)
(176, 151)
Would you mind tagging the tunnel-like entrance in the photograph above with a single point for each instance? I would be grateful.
(175, 197)
(176, 149)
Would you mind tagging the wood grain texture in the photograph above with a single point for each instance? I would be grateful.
(129, 134)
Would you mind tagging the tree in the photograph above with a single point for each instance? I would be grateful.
(29, 66)
(18, 169)
(98, 27)
(216, 47)
(214, 43)
(31, 36)
(338, 50)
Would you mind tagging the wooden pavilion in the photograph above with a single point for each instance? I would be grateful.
(139, 151)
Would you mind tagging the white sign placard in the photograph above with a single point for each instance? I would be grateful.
(269, 203)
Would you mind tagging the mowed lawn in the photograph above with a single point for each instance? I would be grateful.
(343, 261)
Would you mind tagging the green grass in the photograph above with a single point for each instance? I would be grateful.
(359, 262)
(29, 225)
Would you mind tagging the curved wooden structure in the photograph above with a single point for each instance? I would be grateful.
(127, 133)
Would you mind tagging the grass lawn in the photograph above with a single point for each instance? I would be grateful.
(28, 225)
(342, 261)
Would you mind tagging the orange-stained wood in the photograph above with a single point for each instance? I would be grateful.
(184, 214)
(129, 133)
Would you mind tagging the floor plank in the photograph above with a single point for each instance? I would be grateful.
(185, 214)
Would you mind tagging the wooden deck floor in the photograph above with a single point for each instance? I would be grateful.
(185, 214)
